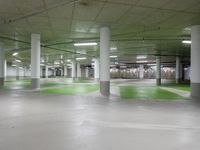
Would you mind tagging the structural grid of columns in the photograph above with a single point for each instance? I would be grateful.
(158, 71)
(96, 69)
(195, 62)
(2, 61)
(73, 69)
(141, 72)
(78, 70)
(104, 61)
(35, 61)
(178, 70)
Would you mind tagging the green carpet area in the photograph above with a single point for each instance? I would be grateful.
(147, 93)
(72, 89)
(183, 87)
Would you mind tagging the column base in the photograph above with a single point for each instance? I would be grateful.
(96, 79)
(17, 77)
(1, 81)
(105, 88)
(158, 81)
(178, 81)
(195, 92)
(35, 83)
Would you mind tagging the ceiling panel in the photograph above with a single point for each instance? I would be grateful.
(180, 4)
(117, 11)
(88, 11)
(152, 3)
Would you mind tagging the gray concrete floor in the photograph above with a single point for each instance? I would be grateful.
(32, 121)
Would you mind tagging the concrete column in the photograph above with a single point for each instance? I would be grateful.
(65, 71)
(96, 69)
(2, 61)
(105, 61)
(195, 62)
(73, 69)
(46, 71)
(158, 71)
(35, 61)
(178, 77)
(141, 72)
(5, 70)
(24, 72)
(17, 72)
(61, 72)
(78, 67)
(87, 72)
(54, 72)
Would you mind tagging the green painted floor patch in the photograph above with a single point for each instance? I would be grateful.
(147, 93)
(71, 90)
(183, 87)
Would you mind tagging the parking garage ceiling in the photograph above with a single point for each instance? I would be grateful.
(138, 27)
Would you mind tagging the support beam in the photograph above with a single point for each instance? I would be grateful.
(65, 71)
(5, 70)
(195, 62)
(105, 61)
(35, 61)
(2, 61)
(87, 72)
(158, 71)
(78, 70)
(73, 69)
(141, 71)
(17, 72)
(96, 69)
(178, 77)
(46, 71)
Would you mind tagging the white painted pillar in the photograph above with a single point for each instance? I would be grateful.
(54, 72)
(105, 61)
(17, 72)
(24, 71)
(61, 72)
(141, 71)
(96, 69)
(5, 70)
(87, 72)
(178, 78)
(2, 61)
(78, 70)
(35, 61)
(73, 69)
(195, 62)
(46, 71)
(158, 71)
(65, 71)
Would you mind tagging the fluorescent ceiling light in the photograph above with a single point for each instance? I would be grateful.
(81, 58)
(85, 44)
(56, 63)
(18, 60)
(68, 60)
(113, 48)
(113, 56)
(14, 54)
(186, 42)
(14, 65)
(141, 61)
(141, 57)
